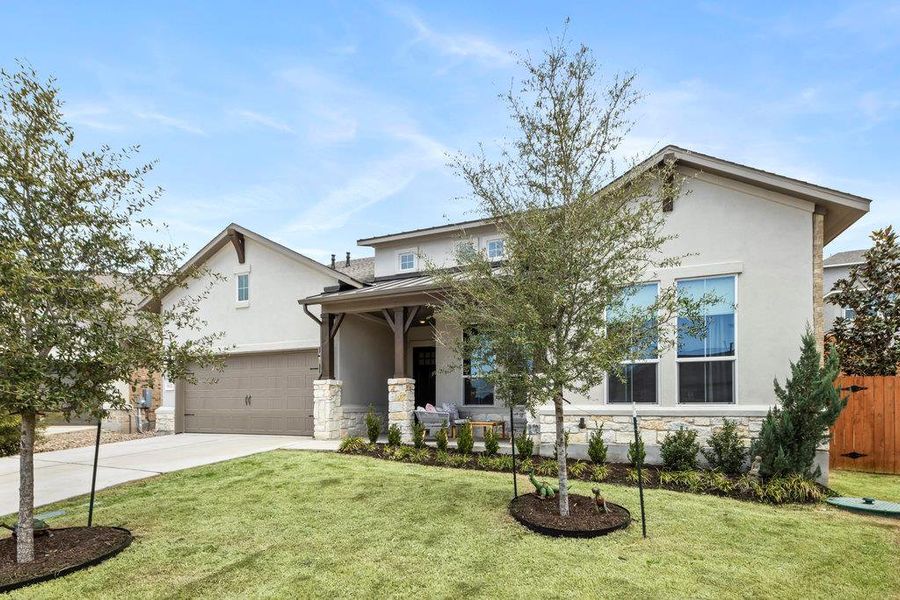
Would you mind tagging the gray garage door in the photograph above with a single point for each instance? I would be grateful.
(256, 393)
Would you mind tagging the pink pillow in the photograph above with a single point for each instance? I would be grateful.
(430, 408)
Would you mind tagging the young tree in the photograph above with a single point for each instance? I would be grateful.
(72, 271)
(809, 404)
(869, 343)
(577, 238)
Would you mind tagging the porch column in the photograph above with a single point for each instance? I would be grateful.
(401, 389)
(326, 347)
(328, 414)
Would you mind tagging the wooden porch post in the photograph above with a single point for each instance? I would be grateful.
(399, 343)
(326, 347)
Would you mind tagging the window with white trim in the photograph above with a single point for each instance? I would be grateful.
(849, 314)
(243, 287)
(706, 365)
(476, 388)
(495, 249)
(638, 380)
(407, 261)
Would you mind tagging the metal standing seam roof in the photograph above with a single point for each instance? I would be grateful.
(381, 288)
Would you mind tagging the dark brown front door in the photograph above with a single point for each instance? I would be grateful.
(424, 374)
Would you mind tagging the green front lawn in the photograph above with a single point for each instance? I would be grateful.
(859, 485)
(296, 524)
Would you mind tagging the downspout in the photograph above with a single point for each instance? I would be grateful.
(309, 314)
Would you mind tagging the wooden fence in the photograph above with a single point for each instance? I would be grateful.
(866, 436)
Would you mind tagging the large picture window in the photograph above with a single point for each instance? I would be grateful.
(637, 382)
(477, 389)
(706, 365)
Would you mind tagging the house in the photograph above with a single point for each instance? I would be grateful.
(837, 266)
(312, 347)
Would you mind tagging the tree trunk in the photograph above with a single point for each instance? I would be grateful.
(561, 452)
(25, 532)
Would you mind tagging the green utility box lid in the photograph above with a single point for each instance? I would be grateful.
(868, 505)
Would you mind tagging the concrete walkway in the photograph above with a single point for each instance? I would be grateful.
(67, 473)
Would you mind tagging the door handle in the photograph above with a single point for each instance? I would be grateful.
(249, 400)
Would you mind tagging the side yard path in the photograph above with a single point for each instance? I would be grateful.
(300, 524)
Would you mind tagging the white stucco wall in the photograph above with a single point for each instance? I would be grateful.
(438, 249)
(272, 319)
(364, 361)
(763, 238)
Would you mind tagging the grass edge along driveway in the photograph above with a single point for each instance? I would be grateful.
(302, 524)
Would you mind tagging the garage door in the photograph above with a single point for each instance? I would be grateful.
(256, 393)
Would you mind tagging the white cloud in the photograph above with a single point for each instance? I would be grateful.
(459, 45)
(169, 121)
(261, 119)
(92, 115)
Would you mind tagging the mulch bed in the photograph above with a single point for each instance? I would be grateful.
(584, 520)
(60, 552)
(617, 473)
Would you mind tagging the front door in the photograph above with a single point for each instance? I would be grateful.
(424, 374)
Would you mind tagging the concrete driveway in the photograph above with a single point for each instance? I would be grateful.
(66, 473)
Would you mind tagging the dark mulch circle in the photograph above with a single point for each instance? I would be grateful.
(59, 553)
(542, 516)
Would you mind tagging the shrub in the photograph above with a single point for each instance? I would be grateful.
(491, 442)
(636, 453)
(373, 425)
(495, 463)
(578, 469)
(525, 466)
(726, 452)
(809, 405)
(679, 450)
(632, 476)
(9, 435)
(524, 445)
(394, 435)
(458, 460)
(793, 488)
(420, 455)
(597, 447)
(352, 445)
(600, 472)
(547, 468)
(441, 439)
(465, 441)
(418, 435)
(441, 457)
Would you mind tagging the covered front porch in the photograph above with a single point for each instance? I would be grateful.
(382, 348)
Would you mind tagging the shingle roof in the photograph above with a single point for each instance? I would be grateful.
(849, 257)
(360, 269)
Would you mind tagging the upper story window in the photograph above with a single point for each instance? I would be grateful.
(407, 260)
(706, 366)
(638, 380)
(243, 287)
(495, 249)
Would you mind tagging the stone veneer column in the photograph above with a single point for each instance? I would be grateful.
(818, 242)
(165, 413)
(328, 414)
(401, 404)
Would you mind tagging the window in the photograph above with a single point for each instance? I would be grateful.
(495, 249)
(849, 314)
(477, 390)
(243, 287)
(706, 365)
(407, 261)
(638, 378)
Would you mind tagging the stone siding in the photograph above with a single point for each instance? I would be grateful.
(401, 404)
(328, 414)
(354, 421)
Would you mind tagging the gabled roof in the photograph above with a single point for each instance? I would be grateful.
(224, 238)
(848, 257)
(841, 208)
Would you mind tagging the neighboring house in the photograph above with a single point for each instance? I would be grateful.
(753, 237)
(837, 266)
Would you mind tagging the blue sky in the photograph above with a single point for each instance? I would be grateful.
(320, 123)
